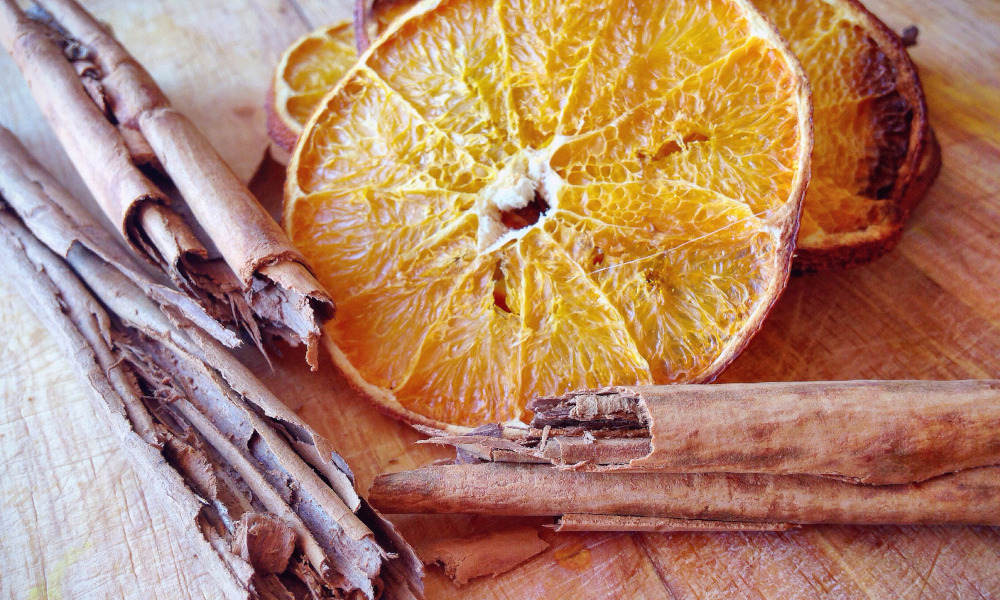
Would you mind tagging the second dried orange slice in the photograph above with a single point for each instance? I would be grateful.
(875, 154)
(310, 67)
(511, 199)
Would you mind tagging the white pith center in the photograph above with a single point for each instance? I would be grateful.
(523, 175)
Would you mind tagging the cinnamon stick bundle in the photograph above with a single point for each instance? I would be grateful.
(264, 500)
(159, 180)
(733, 457)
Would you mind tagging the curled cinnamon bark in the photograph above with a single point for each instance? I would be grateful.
(61, 223)
(159, 180)
(263, 500)
(772, 454)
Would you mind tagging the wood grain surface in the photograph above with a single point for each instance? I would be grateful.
(75, 522)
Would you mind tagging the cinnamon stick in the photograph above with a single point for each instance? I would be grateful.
(769, 454)
(264, 500)
(158, 179)
(872, 432)
(969, 497)
(60, 222)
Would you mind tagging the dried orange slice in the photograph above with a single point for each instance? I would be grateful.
(514, 199)
(307, 70)
(310, 67)
(874, 154)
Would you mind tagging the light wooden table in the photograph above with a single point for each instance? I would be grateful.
(75, 523)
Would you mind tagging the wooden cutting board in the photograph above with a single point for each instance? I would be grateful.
(75, 523)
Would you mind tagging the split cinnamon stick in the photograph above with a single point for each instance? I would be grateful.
(265, 501)
(771, 454)
(159, 180)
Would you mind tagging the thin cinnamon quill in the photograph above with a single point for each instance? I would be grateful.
(159, 180)
(773, 454)
(268, 504)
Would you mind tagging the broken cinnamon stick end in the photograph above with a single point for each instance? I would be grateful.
(493, 553)
(265, 542)
(292, 305)
(584, 522)
(611, 408)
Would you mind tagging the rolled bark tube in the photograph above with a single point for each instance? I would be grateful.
(969, 497)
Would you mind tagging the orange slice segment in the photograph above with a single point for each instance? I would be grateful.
(627, 67)
(455, 92)
(874, 153)
(472, 354)
(571, 320)
(499, 216)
